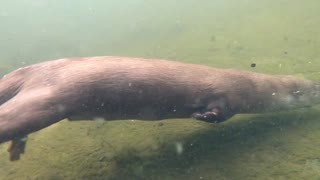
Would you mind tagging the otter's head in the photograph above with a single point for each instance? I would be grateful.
(295, 92)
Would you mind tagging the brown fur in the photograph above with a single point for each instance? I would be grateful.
(113, 88)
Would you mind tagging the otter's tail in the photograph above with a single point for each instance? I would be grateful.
(10, 85)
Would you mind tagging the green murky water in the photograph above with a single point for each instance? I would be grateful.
(280, 37)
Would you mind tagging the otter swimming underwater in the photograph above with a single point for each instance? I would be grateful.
(36, 96)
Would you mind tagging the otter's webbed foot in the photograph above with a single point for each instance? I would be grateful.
(16, 147)
(213, 116)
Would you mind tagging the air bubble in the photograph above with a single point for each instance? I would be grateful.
(179, 148)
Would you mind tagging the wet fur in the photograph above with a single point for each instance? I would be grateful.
(39, 95)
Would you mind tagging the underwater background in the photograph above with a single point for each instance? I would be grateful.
(278, 36)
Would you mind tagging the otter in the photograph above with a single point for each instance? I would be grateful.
(117, 88)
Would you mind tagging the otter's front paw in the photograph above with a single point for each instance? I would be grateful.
(210, 116)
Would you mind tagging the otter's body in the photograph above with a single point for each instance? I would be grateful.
(39, 95)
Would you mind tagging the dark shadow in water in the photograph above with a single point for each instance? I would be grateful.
(219, 147)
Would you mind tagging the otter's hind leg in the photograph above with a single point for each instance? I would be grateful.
(27, 112)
